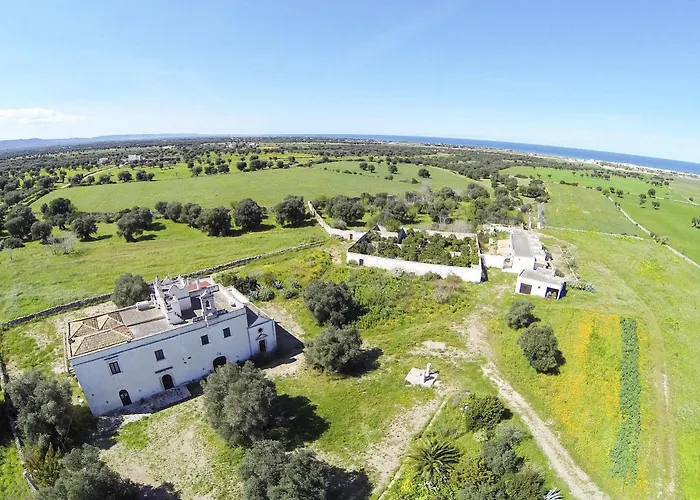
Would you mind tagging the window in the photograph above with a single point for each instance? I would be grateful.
(159, 355)
(114, 368)
(227, 332)
(205, 339)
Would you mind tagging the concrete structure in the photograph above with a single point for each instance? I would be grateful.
(185, 331)
(133, 158)
(473, 273)
(522, 250)
(423, 378)
(540, 282)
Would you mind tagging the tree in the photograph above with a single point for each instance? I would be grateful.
(58, 211)
(483, 412)
(290, 211)
(43, 462)
(41, 230)
(345, 209)
(84, 226)
(104, 179)
(334, 350)
(241, 165)
(44, 407)
(434, 460)
(655, 204)
(520, 314)
(19, 222)
(161, 207)
(174, 211)
(248, 215)
(393, 168)
(239, 403)
(141, 175)
(124, 176)
(215, 221)
(651, 192)
(134, 223)
(329, 302)
(196, 171)
(84, 476)
(130, 289)
(270, 474)
(540, 347)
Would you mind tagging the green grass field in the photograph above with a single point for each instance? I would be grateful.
(37, 279)
(267, 187)
(672, 219)
(586, 209)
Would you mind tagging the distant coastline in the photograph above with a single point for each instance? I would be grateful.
(573, 154)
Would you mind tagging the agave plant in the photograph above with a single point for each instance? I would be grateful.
(554, 494)
(434, 459)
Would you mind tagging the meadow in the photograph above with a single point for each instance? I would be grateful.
(37, 279)
(267, 187)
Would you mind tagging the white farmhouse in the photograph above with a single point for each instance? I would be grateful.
(540, 282)
(133, 158)
(185, 331)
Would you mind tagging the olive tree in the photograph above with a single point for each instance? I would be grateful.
(84, 226)
(334, 350)
(520, 314)
(129, 289)
(329, 302)
(540, 347)
(290, 211)
(248, 215)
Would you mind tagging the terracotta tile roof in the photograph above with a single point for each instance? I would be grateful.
(97, 332)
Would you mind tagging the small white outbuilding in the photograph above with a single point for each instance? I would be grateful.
(540, 282)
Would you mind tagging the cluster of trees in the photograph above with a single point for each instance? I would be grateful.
(221, 167)
(538, 342)
(243, 406)
(52, 429)
(213, 221)
(498, 472)
(126, 176)
(341, 208)
(418, 246)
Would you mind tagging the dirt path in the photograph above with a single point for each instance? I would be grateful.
(578, 481)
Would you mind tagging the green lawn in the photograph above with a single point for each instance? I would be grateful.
(672, 219)
(587, 209)
(37, 279)
(267, 187)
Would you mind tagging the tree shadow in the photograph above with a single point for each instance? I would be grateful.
(156, 226)
(145, 237)
(262, 227)
(366, 362)
(561, 361)
(101, 237)
(349, 485)
(165, 491)
(297, 414)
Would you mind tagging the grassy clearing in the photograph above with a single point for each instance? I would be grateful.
(267, 187)
(645, 281)
(672, 219)
(36, 279)
(577, 208)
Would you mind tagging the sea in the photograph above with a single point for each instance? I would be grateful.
(579, 154)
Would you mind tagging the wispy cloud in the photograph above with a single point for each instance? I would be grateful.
(26, 116)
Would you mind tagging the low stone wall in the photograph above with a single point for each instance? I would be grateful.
(473, 274)
(106, 296)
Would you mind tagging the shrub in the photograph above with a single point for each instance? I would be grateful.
(520, 314)
(483, 412)
(43, 463)
(329, 302)
(334, 350)
(540, 347)
(239, 403)
(339, 224)
(500, 458)
(129, 289)
(263, 293)
(423, 172)
(289, 293)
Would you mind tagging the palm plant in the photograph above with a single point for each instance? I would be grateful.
(554, 494)
(434, 459)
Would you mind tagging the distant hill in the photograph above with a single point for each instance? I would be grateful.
(29, 144)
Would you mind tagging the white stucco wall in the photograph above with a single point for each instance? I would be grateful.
(539, 288)
(473, 274)
(345, 234)
(186, 359)
(492, 260)
(521, 263)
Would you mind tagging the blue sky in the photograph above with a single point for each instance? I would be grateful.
(610, 75)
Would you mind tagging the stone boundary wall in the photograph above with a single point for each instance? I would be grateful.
(106, 296)
(473, 274)
(345, 234)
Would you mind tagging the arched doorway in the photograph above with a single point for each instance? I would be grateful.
(167, 381)
(124, 396)
(220, 361)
